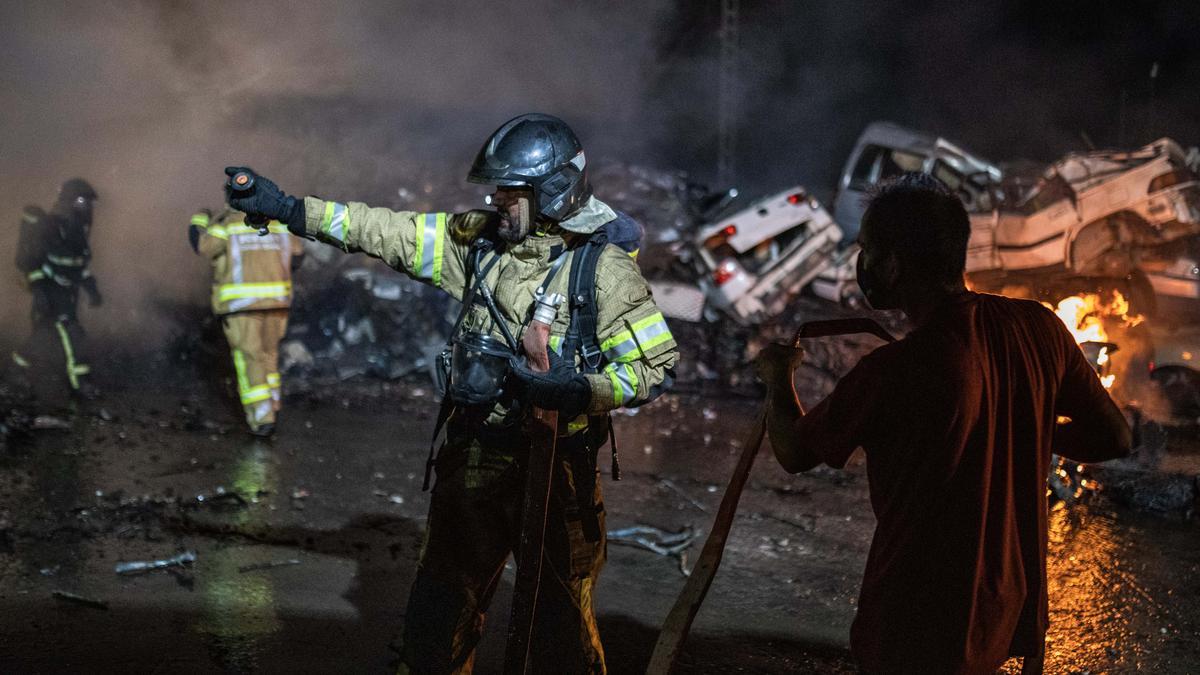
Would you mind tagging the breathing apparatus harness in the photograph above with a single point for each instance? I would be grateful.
(580, 339)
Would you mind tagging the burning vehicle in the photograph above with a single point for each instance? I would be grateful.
(1094, 321)
(1120, 226)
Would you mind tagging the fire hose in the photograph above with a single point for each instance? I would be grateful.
(687, 605)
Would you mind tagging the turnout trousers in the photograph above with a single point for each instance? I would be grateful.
(474, 526)
(254, 337)
(56, 341)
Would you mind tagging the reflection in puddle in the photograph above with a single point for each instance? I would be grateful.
(1104, 613)
(239, 609)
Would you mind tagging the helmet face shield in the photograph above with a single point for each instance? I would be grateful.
(516, 206)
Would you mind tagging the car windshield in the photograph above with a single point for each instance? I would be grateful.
(973, 190)
(877, 163)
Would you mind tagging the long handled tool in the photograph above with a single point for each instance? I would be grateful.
(539, 474)
(687, 605)
(538, 477)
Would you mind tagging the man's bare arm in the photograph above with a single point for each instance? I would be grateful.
(1098, 435)
(785, 415)
(776, 366)
(1097, 431)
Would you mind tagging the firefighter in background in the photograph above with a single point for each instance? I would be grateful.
(609, 347)
(31, 253)
(55, 256)
(251, 292)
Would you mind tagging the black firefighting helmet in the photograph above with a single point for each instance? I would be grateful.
(77, 188)
(540, 152)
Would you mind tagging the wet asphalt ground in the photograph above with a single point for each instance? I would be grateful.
(306, 546)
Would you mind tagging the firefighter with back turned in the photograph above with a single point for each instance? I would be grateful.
(251, 292)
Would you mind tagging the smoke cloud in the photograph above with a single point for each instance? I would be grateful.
(1009, 80)
(149, 100)
(357, 99)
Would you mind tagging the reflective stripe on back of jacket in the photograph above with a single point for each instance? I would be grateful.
(250, 271)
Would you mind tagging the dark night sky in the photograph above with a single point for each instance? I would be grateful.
(352, 99)
(1010, 80)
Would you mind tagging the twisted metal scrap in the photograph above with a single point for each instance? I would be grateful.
(660, 542)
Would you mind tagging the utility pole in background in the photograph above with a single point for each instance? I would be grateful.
(727, 93)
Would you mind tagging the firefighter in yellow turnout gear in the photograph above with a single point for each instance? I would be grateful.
(251, 292)
(617, 353)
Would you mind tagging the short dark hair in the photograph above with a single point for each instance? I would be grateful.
(924, 222)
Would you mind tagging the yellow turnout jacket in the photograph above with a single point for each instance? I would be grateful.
(250, 271)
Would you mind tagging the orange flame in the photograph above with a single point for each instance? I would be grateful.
(1085, 314)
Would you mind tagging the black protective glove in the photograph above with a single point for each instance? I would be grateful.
(560, 388)
(204, 216)
(194, 238)
(267, 200)
(93, 292)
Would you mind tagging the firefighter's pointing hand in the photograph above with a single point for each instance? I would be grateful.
(256, 195)
(561, 388)
(776, 364)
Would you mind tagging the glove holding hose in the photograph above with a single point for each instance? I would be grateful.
(561, 388)
(261, 200)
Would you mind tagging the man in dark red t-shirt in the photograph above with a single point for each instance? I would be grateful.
(958, 420)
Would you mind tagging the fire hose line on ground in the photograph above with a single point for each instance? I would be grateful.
(687, 605)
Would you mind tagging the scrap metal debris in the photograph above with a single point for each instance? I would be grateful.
(140, 566)
(220, 496)
(358, 320)
(1066, 482)
(655, 540)
(670, 485)
(50, 422)
(80, 600)
(268, 565)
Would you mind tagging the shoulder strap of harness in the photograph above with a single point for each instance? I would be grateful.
(479, 248)
(581, 335)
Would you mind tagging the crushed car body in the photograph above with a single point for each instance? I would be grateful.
(1118, 215)
(758, 258)
(1091, 214)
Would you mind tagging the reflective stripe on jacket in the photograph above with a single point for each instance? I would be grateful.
(250, 271)
(45, 254)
